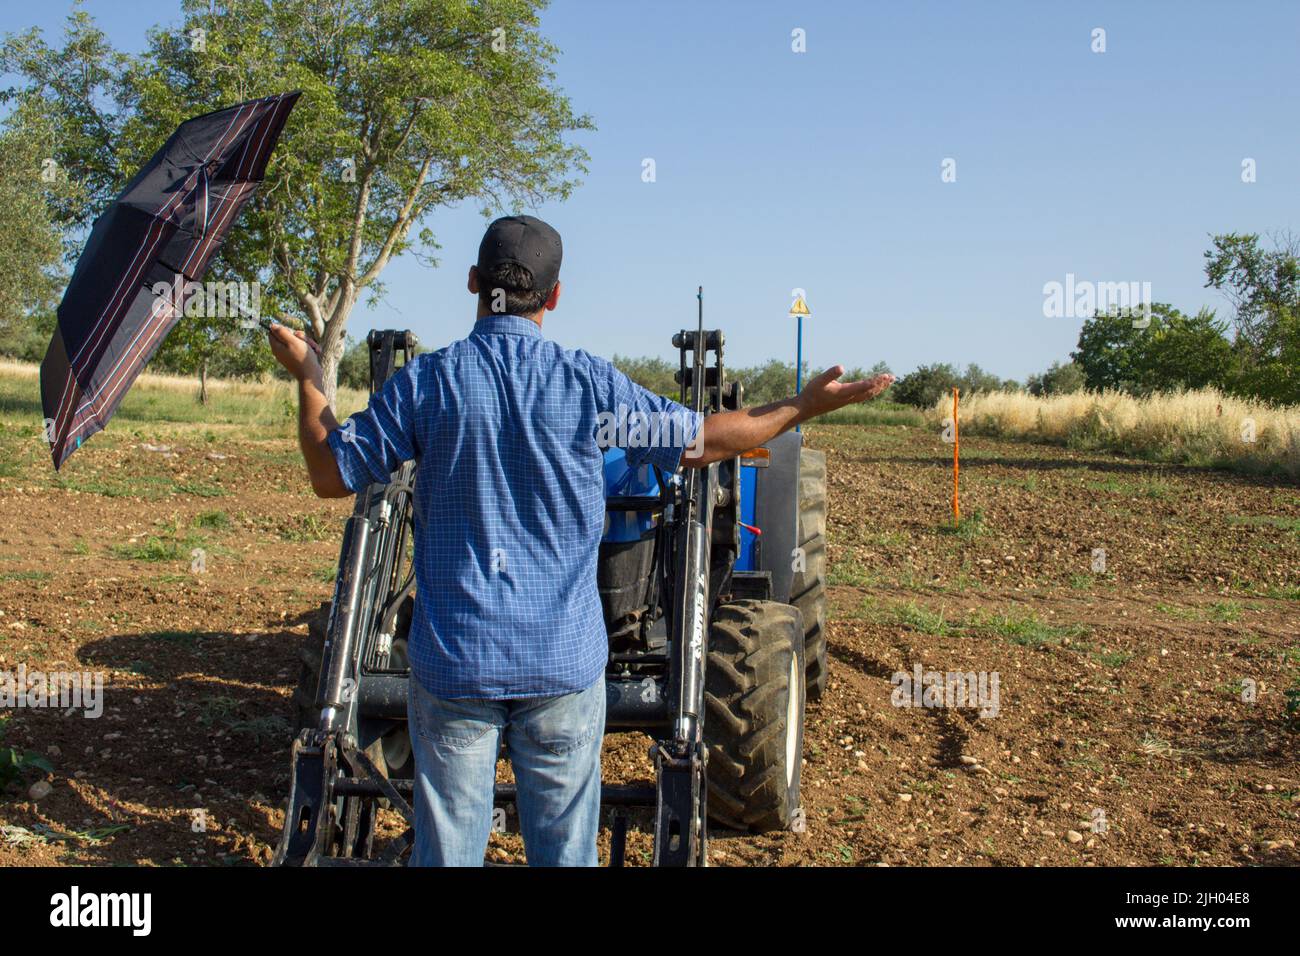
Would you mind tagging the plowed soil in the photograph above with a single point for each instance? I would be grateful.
(1141, 716)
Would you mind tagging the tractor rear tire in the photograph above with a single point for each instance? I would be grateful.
(808, 589)
(754, 708)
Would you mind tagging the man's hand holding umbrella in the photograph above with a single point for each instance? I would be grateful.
(300, 356)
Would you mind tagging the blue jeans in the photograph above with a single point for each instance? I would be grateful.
(554, 747)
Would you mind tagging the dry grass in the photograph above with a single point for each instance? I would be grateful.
(173, 401)
(270, 389)
(1202, 427)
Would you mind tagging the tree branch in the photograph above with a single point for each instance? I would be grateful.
(399, 228)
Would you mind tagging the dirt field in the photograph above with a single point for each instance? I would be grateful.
(1121, 734)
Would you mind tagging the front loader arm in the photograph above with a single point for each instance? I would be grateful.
(334, 784)
(681, 812)
(680, 838)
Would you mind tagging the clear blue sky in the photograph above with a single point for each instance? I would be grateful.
(821, 170)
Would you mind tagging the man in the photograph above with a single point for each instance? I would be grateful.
(507, 639)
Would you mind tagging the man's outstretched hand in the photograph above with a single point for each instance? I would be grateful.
(727, 434)
(825, 394)
(299, 355)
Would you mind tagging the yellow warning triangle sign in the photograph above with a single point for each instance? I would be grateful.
(800, 307)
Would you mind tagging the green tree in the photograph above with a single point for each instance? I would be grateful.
(207, 342)
(857, 374)
(1260, 283)
(1183, 351)
(924, 386)
(74, 100)
(769, 382)
(975, 379)
(1263, 286)
(1174, 351)
(655, 374)
(354, 368)
(31, 274)
(408, 106)
(928, 383)
(1059, 379)
(1108, 352)
(1275, 376)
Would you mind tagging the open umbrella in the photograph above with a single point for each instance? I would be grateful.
(165, 227)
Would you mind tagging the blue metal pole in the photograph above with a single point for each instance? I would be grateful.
(798, 363)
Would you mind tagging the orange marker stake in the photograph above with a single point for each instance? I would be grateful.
(956, 444)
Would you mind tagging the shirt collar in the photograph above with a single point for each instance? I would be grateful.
(507, 325)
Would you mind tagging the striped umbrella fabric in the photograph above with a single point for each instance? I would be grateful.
(164, 228)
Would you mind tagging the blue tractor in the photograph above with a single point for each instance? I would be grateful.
(712, 582)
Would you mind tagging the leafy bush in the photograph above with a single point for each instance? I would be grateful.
(1173, 352)
(924, 387)
(14, 762)
(1057, 380)
(929, 383)
(655, 374)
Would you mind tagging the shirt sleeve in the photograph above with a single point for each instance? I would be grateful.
(651, 429)
(374, 442)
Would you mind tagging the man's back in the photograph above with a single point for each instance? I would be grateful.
(509, 504)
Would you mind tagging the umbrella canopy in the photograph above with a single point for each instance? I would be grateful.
(165, 227)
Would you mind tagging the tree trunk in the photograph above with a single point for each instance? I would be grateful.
(331, 356)
(333, 343)
(203, 382)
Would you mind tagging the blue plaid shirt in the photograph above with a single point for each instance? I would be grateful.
(509, 502)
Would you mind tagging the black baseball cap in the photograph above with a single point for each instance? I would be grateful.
(524, 241)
